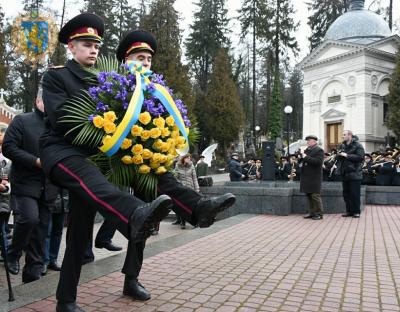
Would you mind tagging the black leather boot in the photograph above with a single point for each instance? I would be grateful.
(134, 289)
(68, 307)
(208, 208)
(149, 213)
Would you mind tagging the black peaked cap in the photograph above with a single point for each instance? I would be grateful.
(80, 21)
(135, 37)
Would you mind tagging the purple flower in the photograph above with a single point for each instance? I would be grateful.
(158, 79)
(93, 91)
(102, 77)
(150, 87)
(90, 118)
(101, 107)
(125, 105)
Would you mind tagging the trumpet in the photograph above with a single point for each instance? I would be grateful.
(382, 163)
(292, 174)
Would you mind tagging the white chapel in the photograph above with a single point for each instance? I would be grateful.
(346, 79)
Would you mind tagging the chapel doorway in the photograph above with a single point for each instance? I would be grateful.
(334, 133)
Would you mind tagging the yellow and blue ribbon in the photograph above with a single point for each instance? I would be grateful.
(135, 106)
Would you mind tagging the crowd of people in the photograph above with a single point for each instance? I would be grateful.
(378, 168)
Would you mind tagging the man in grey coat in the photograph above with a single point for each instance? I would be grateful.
(311, 177)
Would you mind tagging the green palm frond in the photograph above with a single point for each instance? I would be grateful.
(105, 64)
(194, 135)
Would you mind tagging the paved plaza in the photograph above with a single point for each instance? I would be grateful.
(252, 263)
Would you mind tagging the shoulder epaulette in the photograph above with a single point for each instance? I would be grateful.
(57, 67)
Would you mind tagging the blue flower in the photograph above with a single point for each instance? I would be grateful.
(90, 118)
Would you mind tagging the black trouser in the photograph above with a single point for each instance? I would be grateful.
(315, 203)
(90, 191)
(351, 195)
(30, 230)
(106, 232)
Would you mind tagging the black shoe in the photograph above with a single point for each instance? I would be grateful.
(54, 266)
(183, 226)
(13, 266)
(317, 217)
(208, 208)
(108, 245)
(150, 213)
(87, 260)
(176, 222)
(44, 270)
(134, 289)
(68, 307)
(308, 217)
(28, 278)
(346, 215)
(356, 215)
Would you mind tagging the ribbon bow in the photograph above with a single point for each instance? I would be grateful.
(135, 106)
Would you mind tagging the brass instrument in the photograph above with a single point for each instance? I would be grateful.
(292, 173)
(382, 163)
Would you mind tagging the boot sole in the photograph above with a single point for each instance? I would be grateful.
(225, 204)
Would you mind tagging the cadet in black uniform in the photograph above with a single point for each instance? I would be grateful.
(67, 166)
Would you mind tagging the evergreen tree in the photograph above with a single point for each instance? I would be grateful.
(294, 98)
(107, 10)
(324, 13)
(394, 100)
(221, 116)
(275, 114)
(3, 52)
(255, 18)
(127, 18)
(208, 34)
(162, 22)
(282, 29)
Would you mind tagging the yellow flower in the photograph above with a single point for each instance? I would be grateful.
(106, 139)
(155, 133)
(109, 127)
(170, 121)
(158, 144)
(171, 142)
(136, 130)
(159, 122)
(145, 118)
(180, 140)
(98, 121)
(127, 160)
(147, 154)
(110, 116)
(163, 158)
(144, 169)
(137, 159)
(165, 132)
(137, 149)
(161, 170)
(165, 147)
(156, 158)
(145, 135)
(126, 143)
(174, 134)
(154, 165)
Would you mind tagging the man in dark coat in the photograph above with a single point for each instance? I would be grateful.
(28, 191)
(89, 190)
(311, 176)
(349, 165)
(235, 169)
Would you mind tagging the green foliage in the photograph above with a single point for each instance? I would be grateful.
(208, 34)
(324, 13)
(394, 100)
(3, 52)
(255, 14)
(294, 97)
(119, 18)
(221, 117)
(275, 116)
(163, 22)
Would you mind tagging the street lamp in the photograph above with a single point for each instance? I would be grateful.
(288, 110)
(257, 128)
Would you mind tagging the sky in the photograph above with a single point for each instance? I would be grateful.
(186, 9)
